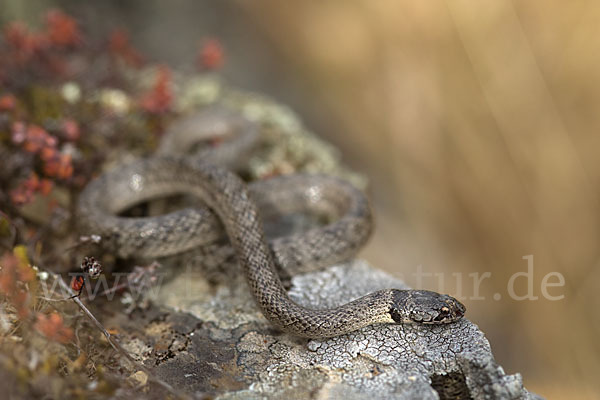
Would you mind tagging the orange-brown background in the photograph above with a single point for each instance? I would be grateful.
(476, 123)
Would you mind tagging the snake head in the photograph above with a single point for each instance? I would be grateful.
(425, 307)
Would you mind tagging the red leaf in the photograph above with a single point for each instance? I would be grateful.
(7, 102)
(62, 30)
(24, 193)
(159, 99)
(23, 44)
(53, 327)
(120, 46)
(70, 129)
(36, 138)
(59, 166)
(211, 55)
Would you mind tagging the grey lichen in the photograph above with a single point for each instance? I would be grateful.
(214, 341)
(287, 145)
(382, 361)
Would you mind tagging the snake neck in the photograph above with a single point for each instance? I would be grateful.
(228, 196)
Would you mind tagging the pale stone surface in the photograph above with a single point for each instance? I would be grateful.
(224, 347)
(205, 335)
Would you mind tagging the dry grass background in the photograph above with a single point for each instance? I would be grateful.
(476, 123)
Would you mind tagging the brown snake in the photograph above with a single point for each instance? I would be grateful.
(232, 205)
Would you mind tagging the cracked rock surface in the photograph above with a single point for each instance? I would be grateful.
(211, 340)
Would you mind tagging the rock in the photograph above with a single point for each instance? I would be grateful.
(140, 378)
(205, 335)
(215, 342)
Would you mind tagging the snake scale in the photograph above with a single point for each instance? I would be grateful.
(233, 206)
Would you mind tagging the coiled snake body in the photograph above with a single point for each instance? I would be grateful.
(235, 206)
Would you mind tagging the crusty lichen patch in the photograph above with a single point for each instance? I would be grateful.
(250, 359)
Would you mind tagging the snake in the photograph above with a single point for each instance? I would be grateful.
(191, 161)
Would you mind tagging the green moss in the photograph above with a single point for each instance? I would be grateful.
(44, 104)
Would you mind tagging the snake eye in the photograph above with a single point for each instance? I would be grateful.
(443, 314)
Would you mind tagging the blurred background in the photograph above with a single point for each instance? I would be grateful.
(476, 124)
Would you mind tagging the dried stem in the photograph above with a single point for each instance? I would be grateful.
(115, 343)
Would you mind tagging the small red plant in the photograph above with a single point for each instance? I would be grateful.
(70, 130)
(53, 327)
(15, 276)
(211, 55)
(7, 102)
(27, 189)
(36, 138)
(62, 30)
(159, 98)
(91, 268)
(22, 43)
(119, 45)
(56, 165)
(59, 166)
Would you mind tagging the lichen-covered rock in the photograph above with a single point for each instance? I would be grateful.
(204, 334)
(215, 342)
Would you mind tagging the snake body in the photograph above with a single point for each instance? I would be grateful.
(233, 207)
